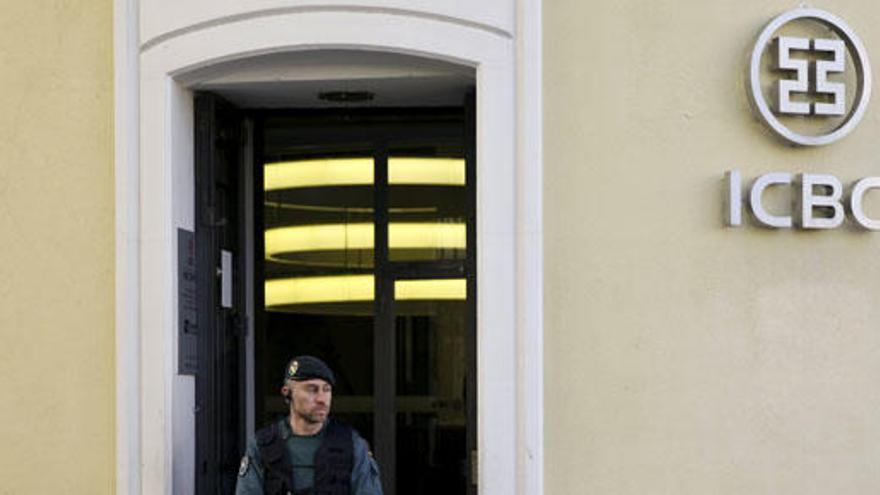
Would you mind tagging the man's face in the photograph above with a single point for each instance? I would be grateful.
(311, 399)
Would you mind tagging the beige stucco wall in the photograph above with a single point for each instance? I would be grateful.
(56, 248)
(683, 357)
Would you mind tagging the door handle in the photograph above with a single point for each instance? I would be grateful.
(225, 273)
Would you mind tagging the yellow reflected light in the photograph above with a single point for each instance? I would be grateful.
(349, 236)
(305, 290)
(359, 172)
(426, 171)
(330, 237)
(318, 173)
(355, 288)
(453, 289)
(427, 235)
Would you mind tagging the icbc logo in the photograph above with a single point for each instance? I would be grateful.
(815, 70)
(821, 68)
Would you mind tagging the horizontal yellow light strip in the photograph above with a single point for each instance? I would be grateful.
(305, 290)
(359, 172)
(318, 173)
(330, 237)
(427, 235)
(349, 236)
(454, 289)
(438, 171)
(354, 288)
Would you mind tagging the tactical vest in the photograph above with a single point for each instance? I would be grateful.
(333, 461)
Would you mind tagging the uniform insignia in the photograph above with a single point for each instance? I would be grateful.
(245, 463)
(291, 372)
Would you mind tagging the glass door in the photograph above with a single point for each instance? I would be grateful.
(432, 337)
(368, 262)
(318, 274)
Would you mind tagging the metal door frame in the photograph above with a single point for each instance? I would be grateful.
(386, 272)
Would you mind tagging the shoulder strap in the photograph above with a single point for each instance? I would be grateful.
(334, 460)
(278, 473)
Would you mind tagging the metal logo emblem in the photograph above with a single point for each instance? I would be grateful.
(815, 69)
(291, 372)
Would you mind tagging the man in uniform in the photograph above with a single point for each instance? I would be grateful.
(307, 452)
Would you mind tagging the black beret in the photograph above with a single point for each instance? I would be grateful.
(307, 368)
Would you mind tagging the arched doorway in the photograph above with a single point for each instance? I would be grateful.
(344, 201)
(157, 403)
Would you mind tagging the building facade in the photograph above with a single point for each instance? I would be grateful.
(550, 247)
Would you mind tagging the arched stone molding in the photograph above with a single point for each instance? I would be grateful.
(164, 176)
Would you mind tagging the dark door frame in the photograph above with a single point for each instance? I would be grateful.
(386, 272)
(220, 387)
(219, 210)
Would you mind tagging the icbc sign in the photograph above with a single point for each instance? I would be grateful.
(819, 201)
(815, 71)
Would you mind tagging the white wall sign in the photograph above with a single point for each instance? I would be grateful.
(807, 77)
(818, 201)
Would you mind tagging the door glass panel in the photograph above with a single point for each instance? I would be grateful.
(317, 238)
(318, 274)
(431, 338)
(427, 208)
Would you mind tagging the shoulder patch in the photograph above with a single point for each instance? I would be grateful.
(243, 468)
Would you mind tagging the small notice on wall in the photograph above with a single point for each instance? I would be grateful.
(187, 310)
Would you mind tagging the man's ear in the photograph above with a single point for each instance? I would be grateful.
(285, 392)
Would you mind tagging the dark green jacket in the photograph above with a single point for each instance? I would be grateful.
(301, 452)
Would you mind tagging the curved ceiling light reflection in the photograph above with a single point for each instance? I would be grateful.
(354, 236)
(346, 209)
(359, 172)
(357, 288)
